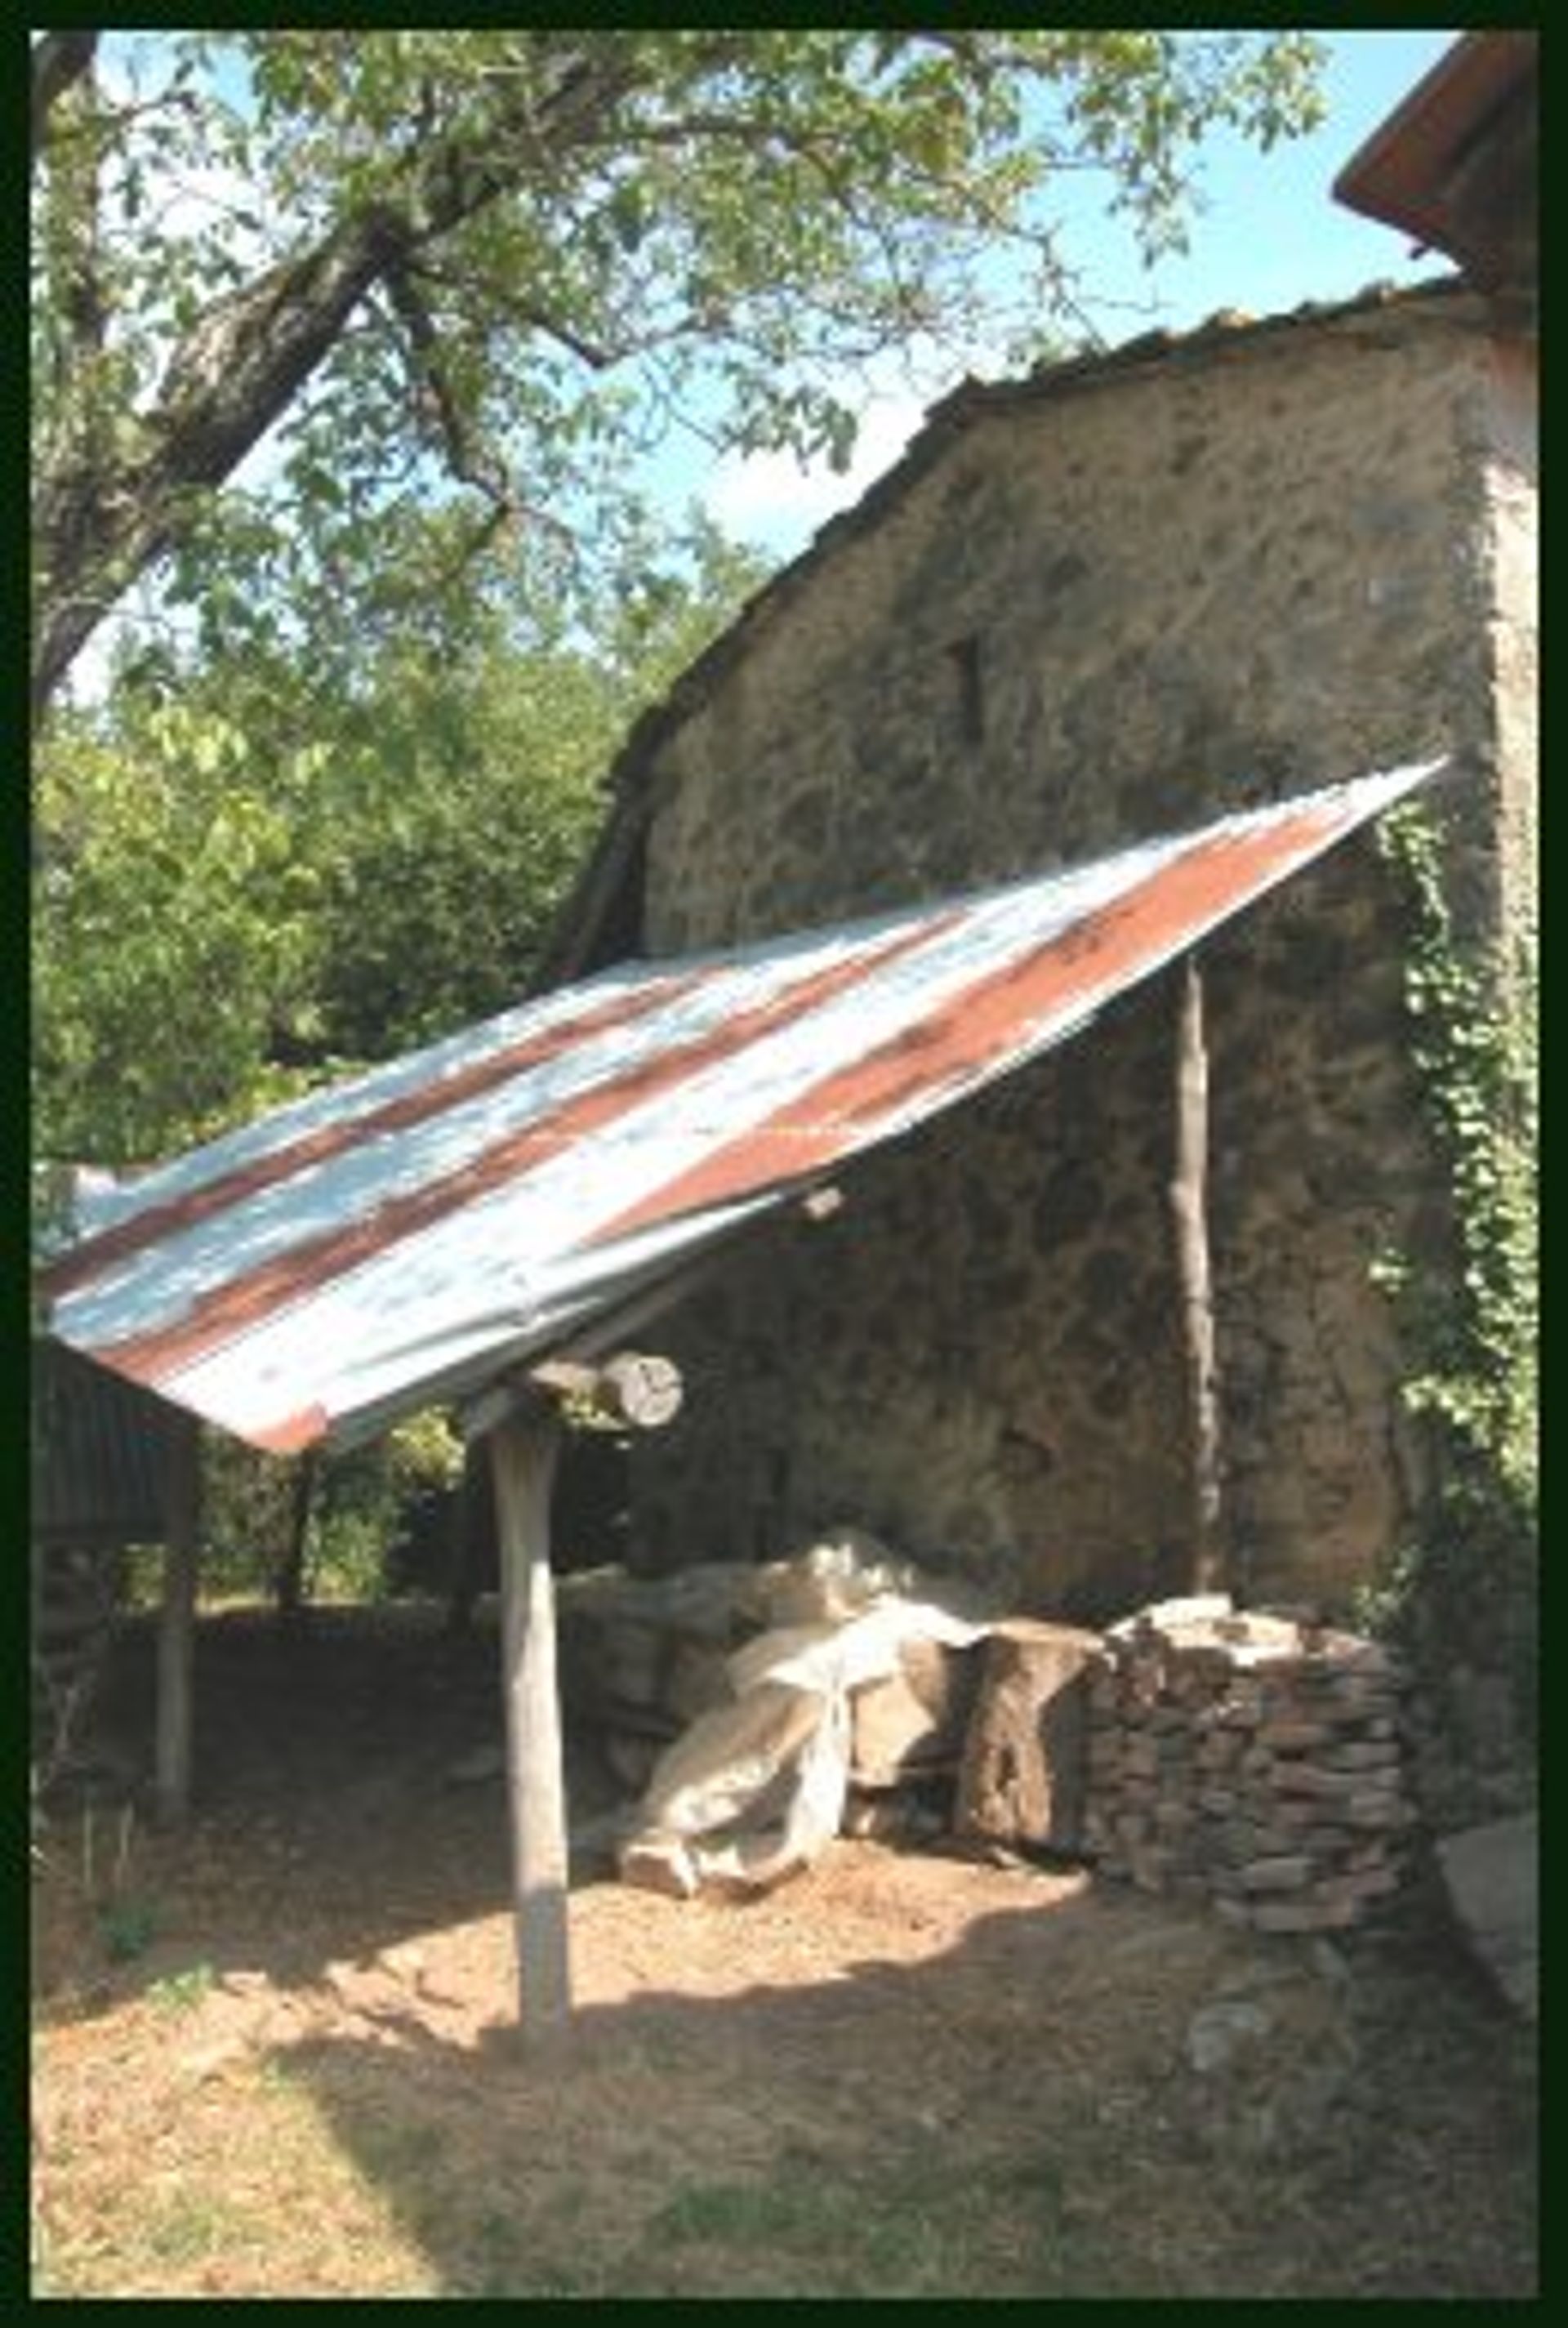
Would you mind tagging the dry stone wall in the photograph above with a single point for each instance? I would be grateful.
(1254, 1760)
(1196, 584)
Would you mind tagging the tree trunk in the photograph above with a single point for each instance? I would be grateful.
(1189, 1204)
(523, 1451)
(59, 60)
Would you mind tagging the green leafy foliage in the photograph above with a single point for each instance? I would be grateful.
(174, 929)
(358, 1509)
(1472, 1325)
(252, 876)
(182, 1992)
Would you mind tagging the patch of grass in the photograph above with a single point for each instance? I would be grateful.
(397, 2146)
(913, 2227)
(191, 2226)
(497, 2259)
(738, 2212)
(182, 1992)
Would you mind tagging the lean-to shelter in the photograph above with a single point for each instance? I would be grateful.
(447, 1225)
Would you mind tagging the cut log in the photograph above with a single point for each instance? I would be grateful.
(1024, 1775)
(632, 1389)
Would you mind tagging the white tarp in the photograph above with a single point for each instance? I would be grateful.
(756, 1788)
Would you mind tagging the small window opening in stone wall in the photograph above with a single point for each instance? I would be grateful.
(969, 682)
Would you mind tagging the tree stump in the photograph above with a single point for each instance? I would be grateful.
(1025, 1771)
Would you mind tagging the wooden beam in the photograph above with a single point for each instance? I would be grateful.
(1189, 1204)
(523, 1451)
(177, 1631)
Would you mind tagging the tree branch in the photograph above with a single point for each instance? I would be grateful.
(97, 523)
(471, 463)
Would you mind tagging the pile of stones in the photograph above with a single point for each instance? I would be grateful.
(1250, 1757)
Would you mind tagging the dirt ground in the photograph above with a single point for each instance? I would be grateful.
(277, 2055)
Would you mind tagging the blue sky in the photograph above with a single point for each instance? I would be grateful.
(1269, 236)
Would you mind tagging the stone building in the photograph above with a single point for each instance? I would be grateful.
(1106, 601)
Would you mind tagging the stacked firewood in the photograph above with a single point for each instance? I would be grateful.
(1252, 1758)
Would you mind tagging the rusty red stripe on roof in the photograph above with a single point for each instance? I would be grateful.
(293, 1432)
(1103, 951)
(90, 1259)
(229, 1310)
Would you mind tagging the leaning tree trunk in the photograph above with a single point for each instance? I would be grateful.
(106, 509)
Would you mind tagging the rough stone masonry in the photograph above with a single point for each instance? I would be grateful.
(1252, 1759)
(1109, 601)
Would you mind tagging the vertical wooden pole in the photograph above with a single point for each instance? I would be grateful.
(1188, 1203)
(467, 1508)
(523, 1449)
(291, 1569)
(177, 1631)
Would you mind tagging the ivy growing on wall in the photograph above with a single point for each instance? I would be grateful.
(1462, 1593)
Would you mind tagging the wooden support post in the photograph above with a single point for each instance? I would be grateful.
(291, 1569)
(1188, 1203)
(462, 1560)
(523, 1449)
(177, 1631)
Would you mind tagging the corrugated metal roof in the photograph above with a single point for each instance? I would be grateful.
(407, 1236)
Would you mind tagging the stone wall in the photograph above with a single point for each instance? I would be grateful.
(1180, 586)
(1512, 453)
(1254, 1760)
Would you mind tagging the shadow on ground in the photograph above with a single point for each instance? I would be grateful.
(1016, 2115)
(899, 2075)
(325, 1820)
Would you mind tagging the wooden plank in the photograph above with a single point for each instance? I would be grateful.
(171, 1759)
(523, 1451)
(1189, 1204)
